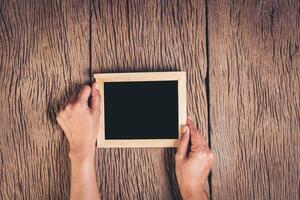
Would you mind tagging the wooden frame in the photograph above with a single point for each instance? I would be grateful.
(142, 76)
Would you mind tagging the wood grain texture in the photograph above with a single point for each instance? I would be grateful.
(131, 36)
(254, 76)
(44, 54)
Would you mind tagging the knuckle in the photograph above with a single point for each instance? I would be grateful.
(59, 115)
(77, 104)
(85, 88)
(68, 107)
(199, 149)
(211, 156)
(208, 154)
(202, 154)
(177, 156)
(203, 151)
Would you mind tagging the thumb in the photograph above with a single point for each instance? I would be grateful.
(84, 93)
(95, 98)
(183, 144)
(197, 139)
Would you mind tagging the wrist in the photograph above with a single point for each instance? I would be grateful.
(84, 156)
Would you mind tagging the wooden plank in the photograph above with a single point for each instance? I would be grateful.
(134, 35)
(43, 54)
(254, 89)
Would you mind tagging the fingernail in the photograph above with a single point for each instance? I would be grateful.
(190, 118)
(96, 86)
(184, 129)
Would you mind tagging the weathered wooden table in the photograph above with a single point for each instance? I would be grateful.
(243, 64)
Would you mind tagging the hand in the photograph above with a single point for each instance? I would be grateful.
(81, 125)
(81, 122)
(192, 168)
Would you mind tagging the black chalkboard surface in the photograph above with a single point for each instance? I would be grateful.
(141, 110)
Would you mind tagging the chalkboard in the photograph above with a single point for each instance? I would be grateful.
(141, 109)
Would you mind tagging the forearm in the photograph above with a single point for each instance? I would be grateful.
(197, 195)
(83, 178)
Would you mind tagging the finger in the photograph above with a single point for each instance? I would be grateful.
(73, 97)
(95, 98)
(191, 124)
(183, 143)
(84, 94)
(60, 120)
(196, 138)
(69, 100)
